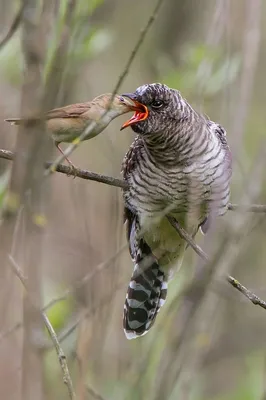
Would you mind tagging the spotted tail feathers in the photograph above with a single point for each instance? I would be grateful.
(146, 293)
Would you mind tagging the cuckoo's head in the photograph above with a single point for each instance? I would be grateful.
(161, 107)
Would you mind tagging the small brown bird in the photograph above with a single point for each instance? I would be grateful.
(65, 124)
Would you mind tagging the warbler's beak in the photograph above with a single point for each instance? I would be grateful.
(141, 111)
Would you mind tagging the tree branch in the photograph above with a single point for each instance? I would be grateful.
(80, 173)
(116, 182)
(61, 356)
(246, 292)
(230, 279)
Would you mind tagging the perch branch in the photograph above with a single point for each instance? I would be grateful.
(80, 173)
(230, 279)
(116, 182)
(61, 356)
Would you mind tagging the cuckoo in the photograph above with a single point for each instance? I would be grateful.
(179, 165)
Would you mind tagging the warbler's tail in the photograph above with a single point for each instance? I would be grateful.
(14, 121)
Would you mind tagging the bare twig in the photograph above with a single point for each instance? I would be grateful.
(106, 300)
(141, 38)
(80, 173)
(13, 28)
(96, 270)
(61, 356)
(246, 292)
(68, 292)
(257, 208)
(116, 182)
(92, 176)
(92, 125)
(184, 235)
(9, 331)
(234, 282)
(56, 70)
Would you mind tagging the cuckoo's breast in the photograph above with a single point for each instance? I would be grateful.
(189, 189)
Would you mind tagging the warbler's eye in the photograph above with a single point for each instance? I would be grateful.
(157, 104)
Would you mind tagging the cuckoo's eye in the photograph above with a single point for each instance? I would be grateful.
(156, 104)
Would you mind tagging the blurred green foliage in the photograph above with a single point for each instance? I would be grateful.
(87, 41)
(60, 313)
(203, 69)
(251, 385)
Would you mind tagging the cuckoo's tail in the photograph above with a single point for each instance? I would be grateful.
(146, 293)
(14, 121)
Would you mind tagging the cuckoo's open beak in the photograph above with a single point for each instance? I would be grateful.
(141, 112)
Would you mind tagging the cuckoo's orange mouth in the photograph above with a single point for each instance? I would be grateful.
(141, 114)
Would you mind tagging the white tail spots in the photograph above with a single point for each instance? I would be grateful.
(164, 286)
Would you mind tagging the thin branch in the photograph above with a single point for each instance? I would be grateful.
(59, 60)
(256, 208)
(184, 235)
(246, 292)
(234, 282)
(91, 176)
(61, 356)
(80, 173)
(68, 292)
(92, 125)
(9, 331)
(116, 182)
(13, 28)
(106, 300)
(141, 38)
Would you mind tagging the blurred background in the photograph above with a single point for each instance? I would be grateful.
(208, 342)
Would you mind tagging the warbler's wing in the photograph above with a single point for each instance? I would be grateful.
(71, 111)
